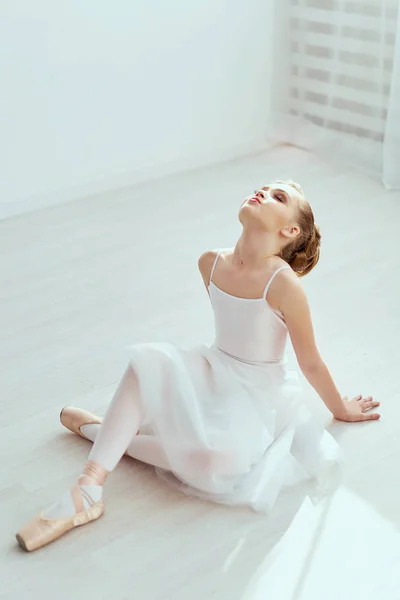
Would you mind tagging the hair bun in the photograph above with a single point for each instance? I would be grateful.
(315, 240)
(311, 251)
(302, 254)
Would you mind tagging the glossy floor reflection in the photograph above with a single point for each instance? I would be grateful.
(342, 548)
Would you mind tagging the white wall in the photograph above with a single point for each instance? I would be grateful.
(98, 94)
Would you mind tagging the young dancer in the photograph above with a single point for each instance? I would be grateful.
(226, 421)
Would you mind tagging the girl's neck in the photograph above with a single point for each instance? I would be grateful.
(253, 252)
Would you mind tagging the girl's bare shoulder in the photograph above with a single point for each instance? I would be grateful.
(286, 285)
(205, 264)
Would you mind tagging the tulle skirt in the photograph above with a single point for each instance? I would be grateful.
(232, 432)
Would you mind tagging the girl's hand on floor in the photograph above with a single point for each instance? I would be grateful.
(355, 410)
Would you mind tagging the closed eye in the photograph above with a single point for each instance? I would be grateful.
(277, 195)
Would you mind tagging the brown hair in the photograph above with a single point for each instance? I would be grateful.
(303, 253)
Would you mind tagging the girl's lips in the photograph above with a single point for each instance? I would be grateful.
(254, 200)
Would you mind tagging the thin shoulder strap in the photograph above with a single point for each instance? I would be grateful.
(270, 280)
(214, 265)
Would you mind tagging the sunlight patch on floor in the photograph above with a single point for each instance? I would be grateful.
(340, 549)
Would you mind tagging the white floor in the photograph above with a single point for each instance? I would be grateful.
(80, 282)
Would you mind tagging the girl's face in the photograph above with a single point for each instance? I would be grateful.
(272, 208)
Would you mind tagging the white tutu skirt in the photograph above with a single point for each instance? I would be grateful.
(232, 432)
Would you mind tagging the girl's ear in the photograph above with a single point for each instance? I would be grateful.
(291, 232)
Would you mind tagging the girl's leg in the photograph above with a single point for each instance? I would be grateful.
(120, 425)
(146, 448)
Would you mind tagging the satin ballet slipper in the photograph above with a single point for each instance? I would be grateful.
(73, 419)
(41, 531)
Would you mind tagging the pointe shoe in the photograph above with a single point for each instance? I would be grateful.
(73, 418)
(41, 531)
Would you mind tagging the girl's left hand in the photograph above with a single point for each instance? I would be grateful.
(356, 410)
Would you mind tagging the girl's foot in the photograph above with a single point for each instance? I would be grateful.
(75, 418)
(79, 505)
(81, 422)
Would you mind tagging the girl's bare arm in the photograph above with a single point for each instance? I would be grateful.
(293, 303)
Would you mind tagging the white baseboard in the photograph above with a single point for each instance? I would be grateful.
(136, 176)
